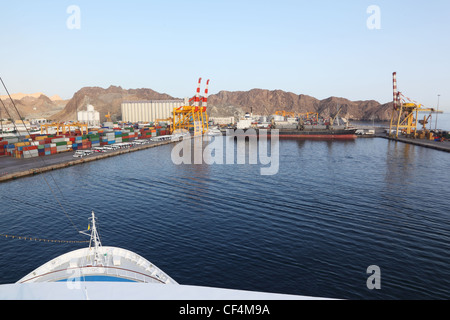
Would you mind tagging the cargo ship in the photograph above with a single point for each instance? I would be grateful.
(307, 133)
(332, 133)
(299, 127)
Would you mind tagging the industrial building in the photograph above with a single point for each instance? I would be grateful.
(222, 120)
(89, 116)
(149, 111)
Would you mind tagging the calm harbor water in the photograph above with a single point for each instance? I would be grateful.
(333, 210)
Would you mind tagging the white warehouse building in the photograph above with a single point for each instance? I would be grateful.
(149, 111)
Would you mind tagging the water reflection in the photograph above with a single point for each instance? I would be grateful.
(400, 161)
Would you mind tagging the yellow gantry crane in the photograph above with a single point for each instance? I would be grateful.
(63, 127)
(404, 116)
(168, 120)
(192, 118)
(285, 113)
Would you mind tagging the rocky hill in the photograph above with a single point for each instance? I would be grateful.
(106, 100)
(265, 102)
(19, 96)
(226, 103)
(36, 105)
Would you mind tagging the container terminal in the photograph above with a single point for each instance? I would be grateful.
(60, 143)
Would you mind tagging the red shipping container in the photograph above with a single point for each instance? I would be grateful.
(29, 148)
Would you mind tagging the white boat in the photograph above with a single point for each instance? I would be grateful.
(98, 264)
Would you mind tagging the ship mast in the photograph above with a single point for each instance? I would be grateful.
(94, 234)
(94, 242)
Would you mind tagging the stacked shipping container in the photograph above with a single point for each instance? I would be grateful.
(43, 145)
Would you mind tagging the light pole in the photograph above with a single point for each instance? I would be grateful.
(437, 113)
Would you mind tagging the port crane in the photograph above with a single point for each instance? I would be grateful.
(64, 127)
(285, 113)
(168, 120)
(309, 115)
(332, 119)
(404, 117)
(424, 122)
(192, 117)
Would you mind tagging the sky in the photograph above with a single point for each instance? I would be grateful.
(318, 48)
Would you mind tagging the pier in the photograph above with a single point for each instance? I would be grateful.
(437, 145)
(27, 167)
